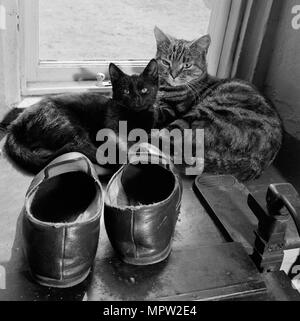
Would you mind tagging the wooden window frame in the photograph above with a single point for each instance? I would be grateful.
(43, 77)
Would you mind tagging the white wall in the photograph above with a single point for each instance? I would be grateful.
(9, 58)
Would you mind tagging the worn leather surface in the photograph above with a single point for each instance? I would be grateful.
(142, 233)
(60, 253)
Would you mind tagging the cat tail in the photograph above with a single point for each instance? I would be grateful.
(30, 160)
(33, 160)
(8, 119)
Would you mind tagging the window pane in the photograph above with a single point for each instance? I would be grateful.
(115, 29)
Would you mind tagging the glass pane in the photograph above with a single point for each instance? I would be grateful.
(115, 29)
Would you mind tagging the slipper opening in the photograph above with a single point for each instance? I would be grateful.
(66, 198)
(141, 185)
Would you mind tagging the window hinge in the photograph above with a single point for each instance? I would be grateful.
(18, 22)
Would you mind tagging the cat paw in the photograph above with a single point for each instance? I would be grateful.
(191, 116)
(164, 116)
(169, 113)
(182, 107)
(178, 123)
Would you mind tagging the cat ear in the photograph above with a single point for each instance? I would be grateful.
(151, 70)
(160, 36)
(202, 43)
(114, 72)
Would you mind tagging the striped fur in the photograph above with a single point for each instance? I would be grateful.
(242, 130)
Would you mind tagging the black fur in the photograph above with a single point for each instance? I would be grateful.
(69, 122)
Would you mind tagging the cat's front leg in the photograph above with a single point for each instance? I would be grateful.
(192, 116)
(183, 107)
(163, 114)
(180, 97)
(178, 123)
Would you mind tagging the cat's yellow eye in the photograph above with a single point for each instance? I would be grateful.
(126, 91)
(165, 62)
(144, 91)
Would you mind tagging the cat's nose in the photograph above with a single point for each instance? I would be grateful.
(174, 74)
(138, 101)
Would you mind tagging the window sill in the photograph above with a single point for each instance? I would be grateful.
(43, 88)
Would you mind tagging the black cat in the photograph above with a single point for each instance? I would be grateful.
(69, 122)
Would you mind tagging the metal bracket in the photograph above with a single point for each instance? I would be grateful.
(272, 226)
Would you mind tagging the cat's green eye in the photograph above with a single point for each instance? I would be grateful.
(165, 62)
(126, 91)
(144, 90)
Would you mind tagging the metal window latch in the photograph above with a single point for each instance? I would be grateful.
(100, 78)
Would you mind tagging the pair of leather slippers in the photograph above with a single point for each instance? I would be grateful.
(64, 204)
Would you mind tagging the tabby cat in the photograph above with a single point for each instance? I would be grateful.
(69, 122)
(242, 130)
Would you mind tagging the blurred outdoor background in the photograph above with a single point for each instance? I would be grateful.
(115, 29)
